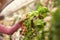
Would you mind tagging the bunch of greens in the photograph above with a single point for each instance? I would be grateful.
(35, 24)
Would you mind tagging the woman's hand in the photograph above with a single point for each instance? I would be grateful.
(24, 17)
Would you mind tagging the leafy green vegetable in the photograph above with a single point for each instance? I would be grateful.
(42, 9)
(32, 32)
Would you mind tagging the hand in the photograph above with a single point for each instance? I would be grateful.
(24, 17)
(24, 29)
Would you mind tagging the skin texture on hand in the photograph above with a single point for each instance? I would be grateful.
(24, 29)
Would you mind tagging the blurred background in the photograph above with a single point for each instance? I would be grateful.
(44, 25)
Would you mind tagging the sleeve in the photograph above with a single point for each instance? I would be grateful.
(10, 31)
